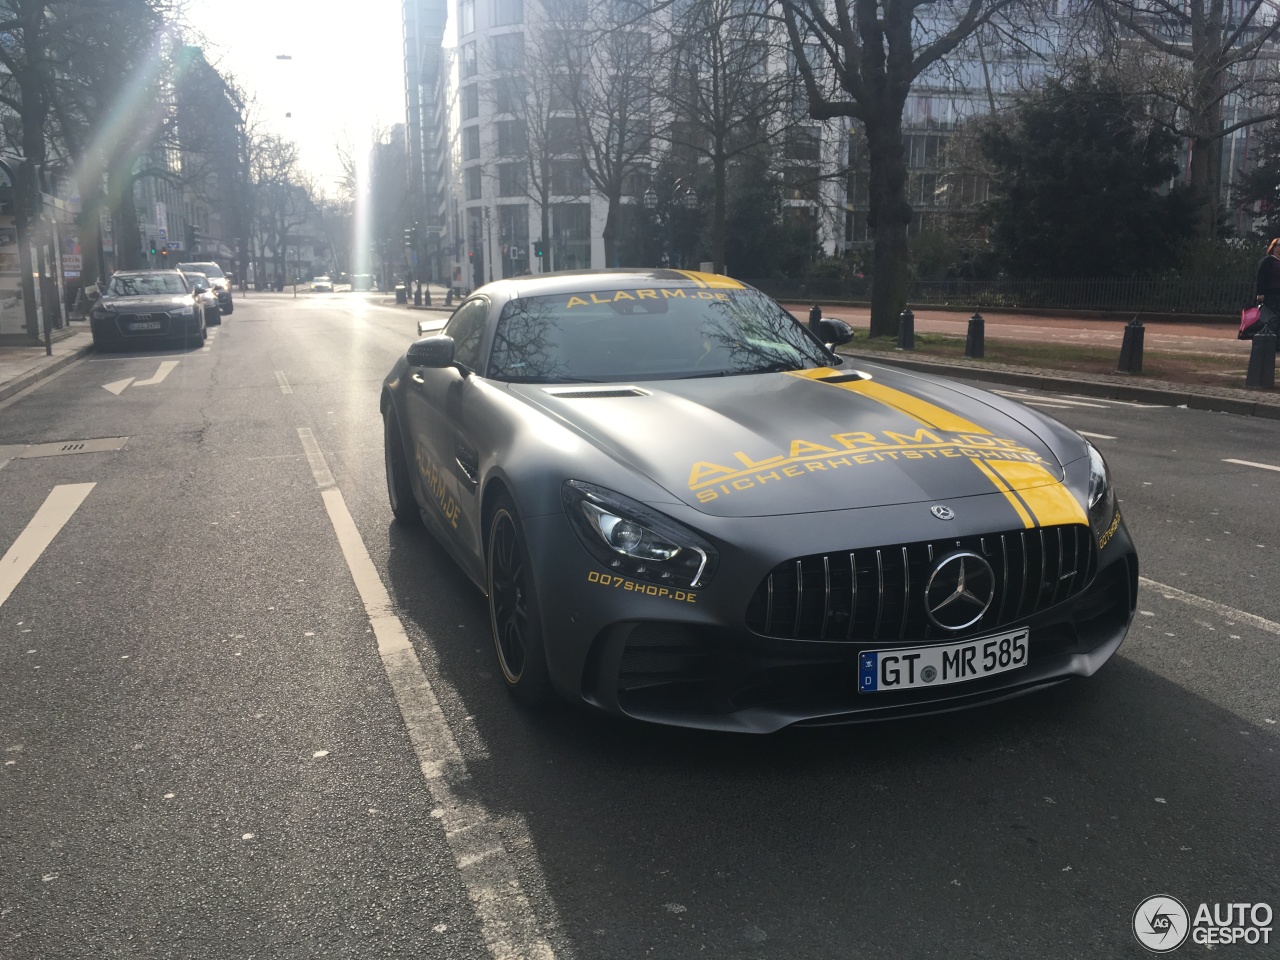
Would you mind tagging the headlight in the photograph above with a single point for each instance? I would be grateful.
(1102, 498)
(634, 540)
(184, 311)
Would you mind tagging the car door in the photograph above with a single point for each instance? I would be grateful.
(434, 401)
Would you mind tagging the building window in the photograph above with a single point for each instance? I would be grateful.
(568, 178)
(506, 12)
(512, 181)
(469, 65)
(508, 51)
(803, 144)
(508, 93)
(471, 143)
(561, 92)
(470, 102)
(466, 17)
(512, 141)
(472, 177)
(571, 228)
(562, 135)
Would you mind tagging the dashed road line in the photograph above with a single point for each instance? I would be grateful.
(507, 922)
(1250, 463)
(1229, 613)
(1095, 436)
(63, 501)
(283, 381)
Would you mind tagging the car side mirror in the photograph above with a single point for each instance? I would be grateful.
(434, 351)
(834, 332)
(199, 288)
(92, 292)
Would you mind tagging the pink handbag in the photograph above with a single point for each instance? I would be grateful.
(1250, 321)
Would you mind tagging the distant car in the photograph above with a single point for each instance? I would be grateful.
(362, 281)
(217, 281)
(146, 306)
(685, 507)
(322, 285)
(208, 298)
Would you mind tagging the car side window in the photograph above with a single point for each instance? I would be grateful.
(467, 327)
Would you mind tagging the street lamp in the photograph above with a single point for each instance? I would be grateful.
(678, 195)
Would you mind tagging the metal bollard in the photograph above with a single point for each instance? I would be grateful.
(448, 297)
(815, 315)
(1131, 347)
(907, 330)
(417, 294)
(1262, 363)
(975, 342)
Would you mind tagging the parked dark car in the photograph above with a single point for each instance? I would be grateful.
(216, 279)
(149, 306)
(685, 507)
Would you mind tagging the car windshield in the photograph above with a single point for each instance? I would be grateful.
(208, 269)
(143, 285)
(648, 334)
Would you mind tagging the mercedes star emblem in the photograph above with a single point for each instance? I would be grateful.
(960, 590)
(941, 512)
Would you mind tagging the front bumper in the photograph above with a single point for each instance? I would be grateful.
(127, 328)
(689, 658)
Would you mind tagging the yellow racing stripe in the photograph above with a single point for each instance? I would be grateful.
(713, 281)
(1050, 501)
(930, 414)
(1009, 495)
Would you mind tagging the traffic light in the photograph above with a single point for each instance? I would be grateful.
(153, 248)
(164, 255)
(471, 256)
(408, 236)
(537, 248)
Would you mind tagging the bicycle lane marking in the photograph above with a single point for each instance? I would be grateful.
(488, 871)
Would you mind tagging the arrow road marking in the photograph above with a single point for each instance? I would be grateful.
(118, 386)
(166, 367)
(57, 509)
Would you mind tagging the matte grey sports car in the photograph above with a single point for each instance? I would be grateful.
(684, 507)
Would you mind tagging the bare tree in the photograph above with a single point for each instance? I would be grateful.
(859, 59)
(1208, 53)
(723, 96)
(609, 80)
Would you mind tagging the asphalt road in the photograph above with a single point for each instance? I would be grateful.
(214, 742)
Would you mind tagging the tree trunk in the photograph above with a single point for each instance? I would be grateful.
(719, 212)
(545, 209)
(128, 239)
(611, 229)
(889, 217)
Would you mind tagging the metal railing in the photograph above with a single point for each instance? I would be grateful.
(1178, 295)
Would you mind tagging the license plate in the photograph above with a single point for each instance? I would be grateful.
(145, 325)
(910, 668)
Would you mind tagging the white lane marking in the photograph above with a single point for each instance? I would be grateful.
(1121, 403)
(507, 921)
(1095, 436)
(1250, 463)
(1061, 401)
(1229, 613)
(166, 367)
(1047, 404)
(283, 381)
(57, 509)
(118, 386)
(27, 391)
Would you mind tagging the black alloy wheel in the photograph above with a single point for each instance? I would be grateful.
(513, 610)
(399, 489)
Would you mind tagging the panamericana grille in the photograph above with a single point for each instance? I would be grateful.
(878, 593)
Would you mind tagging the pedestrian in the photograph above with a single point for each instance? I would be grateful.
(1268, 289)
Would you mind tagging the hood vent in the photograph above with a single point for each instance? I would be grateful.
(853, 377)
(599, 393)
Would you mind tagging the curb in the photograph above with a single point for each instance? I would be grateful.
(20, 383)
(1165, 395)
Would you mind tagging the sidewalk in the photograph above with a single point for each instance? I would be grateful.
(25, 365)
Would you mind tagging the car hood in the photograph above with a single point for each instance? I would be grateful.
(813, 440)
(148, 304)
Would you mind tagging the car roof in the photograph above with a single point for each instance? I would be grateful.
(587, 281)
(145, 273)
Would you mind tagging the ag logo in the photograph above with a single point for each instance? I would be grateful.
(959, 590)
(1161, 923)
(941, 512)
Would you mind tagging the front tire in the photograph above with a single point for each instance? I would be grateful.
(399, 489)
(513, 609)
